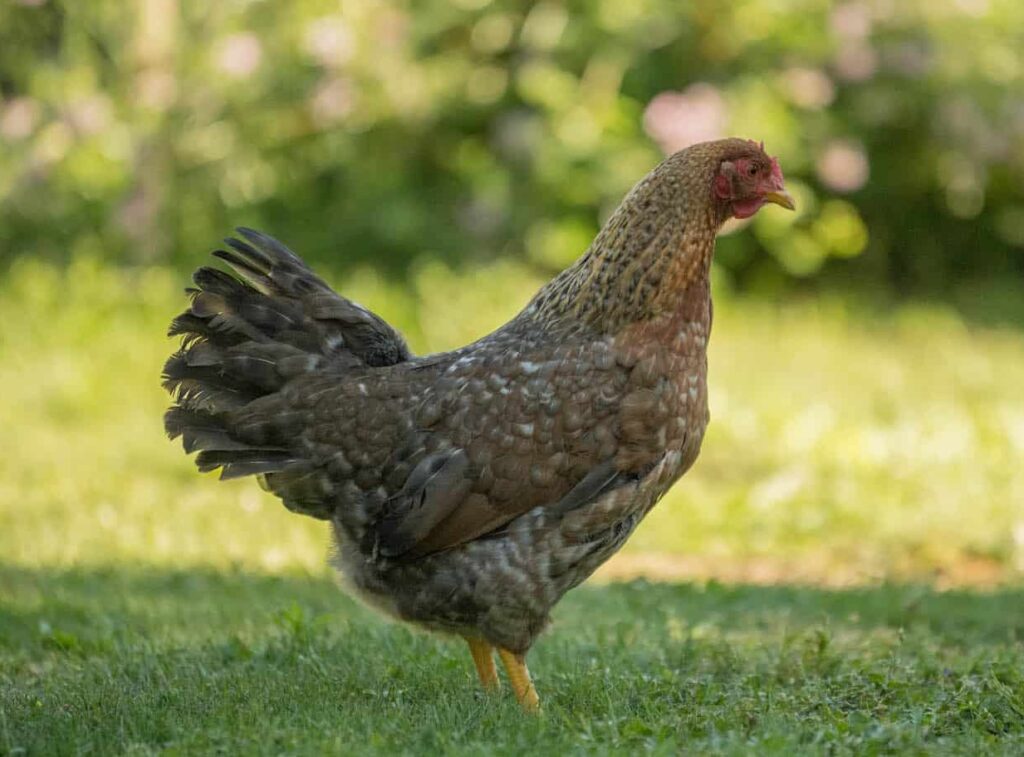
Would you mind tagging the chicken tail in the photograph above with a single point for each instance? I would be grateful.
(244, 338)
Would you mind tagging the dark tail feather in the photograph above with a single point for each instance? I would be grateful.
(243, 339)
(200, 430)
(235, 464)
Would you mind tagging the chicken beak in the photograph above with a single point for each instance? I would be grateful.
(780, 197)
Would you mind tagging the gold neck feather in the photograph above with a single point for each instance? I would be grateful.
(656, 246)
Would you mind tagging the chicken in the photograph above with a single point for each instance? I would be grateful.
(469, 490)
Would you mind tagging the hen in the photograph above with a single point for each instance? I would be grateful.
(469, 490)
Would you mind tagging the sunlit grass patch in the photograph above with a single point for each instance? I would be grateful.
(846, 442)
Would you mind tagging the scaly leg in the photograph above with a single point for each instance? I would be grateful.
(519, 678)
(483, 658)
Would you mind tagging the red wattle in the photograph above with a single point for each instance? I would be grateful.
(747, 208)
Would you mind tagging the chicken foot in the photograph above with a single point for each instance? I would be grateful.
(519, 678)
(483, 658)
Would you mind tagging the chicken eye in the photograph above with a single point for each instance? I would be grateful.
(752, 171)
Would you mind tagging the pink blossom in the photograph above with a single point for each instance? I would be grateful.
(679, 119)
(240, 54)
(808, 87)
(856, 62)
(18, 118)
(331, 101)
(329, 42)
(843, 165)
(851, 21)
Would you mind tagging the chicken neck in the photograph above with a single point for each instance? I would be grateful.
(651, 259)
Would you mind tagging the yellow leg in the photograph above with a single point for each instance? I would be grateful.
(519, 678)
(483, 658)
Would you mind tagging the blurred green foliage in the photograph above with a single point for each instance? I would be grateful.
(466, 130)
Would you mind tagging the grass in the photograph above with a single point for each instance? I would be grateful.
(143, 659)
(866, 465)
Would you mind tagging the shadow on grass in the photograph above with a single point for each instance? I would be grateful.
(94, 659)
(79, 609)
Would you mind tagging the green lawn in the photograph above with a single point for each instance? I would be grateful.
(143, 659)
(865, 463)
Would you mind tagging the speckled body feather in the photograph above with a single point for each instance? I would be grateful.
(469, 490)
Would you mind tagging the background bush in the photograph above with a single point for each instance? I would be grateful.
(383, 132)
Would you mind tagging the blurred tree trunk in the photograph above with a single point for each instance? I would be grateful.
(155, 88)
